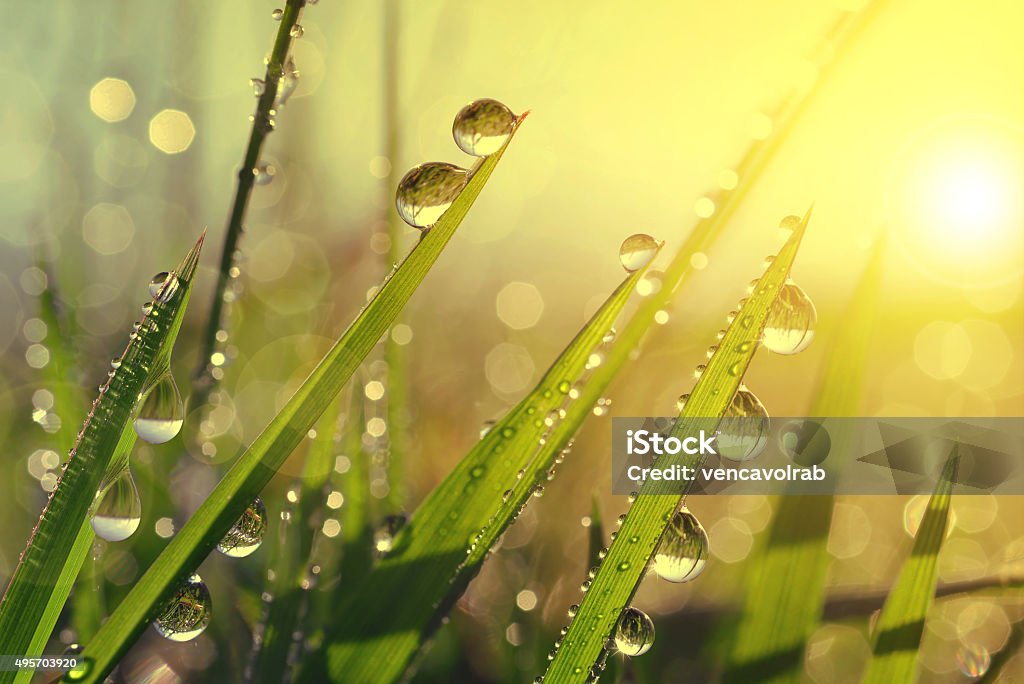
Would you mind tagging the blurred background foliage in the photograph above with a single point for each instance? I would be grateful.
(124, 126)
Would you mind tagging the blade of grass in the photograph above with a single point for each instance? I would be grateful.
(262, 126)
(62, 537)
(289, 590)
(785, 595)
(87, 608)
(899, 628)
(624, 567)
(258, 463)
(446, 541)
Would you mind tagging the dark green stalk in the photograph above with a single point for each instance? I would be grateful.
(262, 126)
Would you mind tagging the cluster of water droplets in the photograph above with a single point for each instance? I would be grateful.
(683, 551)
(157, 418)
(427, 191)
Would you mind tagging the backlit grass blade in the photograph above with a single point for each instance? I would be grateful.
(448, 537)
(786, 590)
(624, 567)
(61, 539)
(258, 463)
(898, 632)
(290, 558)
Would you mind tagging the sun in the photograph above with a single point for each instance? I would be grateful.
(956, 200)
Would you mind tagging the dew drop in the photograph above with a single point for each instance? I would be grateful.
(187, 614)
(482, 127)
(163, 286)
(258, 85)
(486, 427)
(263, 173)
(246, 535)
(384, 535)
(161, 411)
(681, 402)
(699, 371)
(637, 251)
(147, 308)
(296, 31)
(115, 363)
(287, 84)
(277, 14)
(634, 635)
(426, 192)
(805, 442)
(117, 510)
(973, 661)
(790, 223)
(743, 431)
(573, 609)
(683, 551)
(791, 321)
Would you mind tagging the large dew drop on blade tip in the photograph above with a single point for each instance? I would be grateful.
(634, 635)
(118, 510)
(163, 286)
(637, 251)
(482, 127)
(246, 535)
(161, 411)
(187, 614)
(427, 191)
(683, 551)
(791, 321)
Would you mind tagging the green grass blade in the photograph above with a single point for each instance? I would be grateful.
(625, 565)
(786, 592)
(260, 461)
(61, 539)
(448, 538)
(290, 558)
(899, 628)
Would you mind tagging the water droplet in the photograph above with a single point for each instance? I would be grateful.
(743, 431)
(609, 336)
(973, 661)
(115, 364)
(246, 535)
(482, 127)
(486, 427)
(117, 510)
(684, 549)
(564, 387)
(791, 322)
(163, 286)
(637, 251)
(277, 14)
(258, 85)
(699, 371)
(296, 31)
(147, 308)
(537, 491)
(287, 84)
(161, 411)
(805, 442)
(426, 192)
(384, 535)
(634, 635)
(573, 609)
(790, 223)
(681, 402)
(187, 614)
(263, 173)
